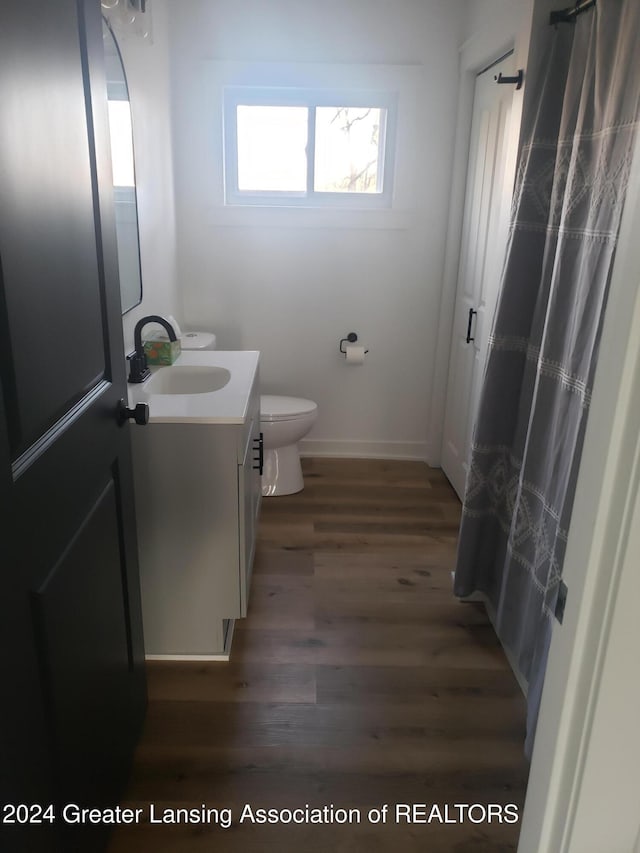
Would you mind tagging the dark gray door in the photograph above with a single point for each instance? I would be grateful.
(71, 649)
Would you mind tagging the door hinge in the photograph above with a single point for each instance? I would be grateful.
(561, 601)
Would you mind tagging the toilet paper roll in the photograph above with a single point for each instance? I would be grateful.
(355, 354)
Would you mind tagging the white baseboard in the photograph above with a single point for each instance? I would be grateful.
(415, 450)
(222, 657)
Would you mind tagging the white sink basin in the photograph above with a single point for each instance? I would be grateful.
(187, 379)
(202, 387)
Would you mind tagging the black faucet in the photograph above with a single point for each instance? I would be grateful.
(138, 369)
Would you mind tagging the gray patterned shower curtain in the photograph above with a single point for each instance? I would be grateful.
(579, 122)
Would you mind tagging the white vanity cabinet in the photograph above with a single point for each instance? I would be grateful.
(198, 496)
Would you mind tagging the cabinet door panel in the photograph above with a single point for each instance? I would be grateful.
(187, 511)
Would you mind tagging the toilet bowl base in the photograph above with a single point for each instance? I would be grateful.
(282, 472)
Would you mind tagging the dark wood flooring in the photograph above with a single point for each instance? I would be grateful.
(357, 680)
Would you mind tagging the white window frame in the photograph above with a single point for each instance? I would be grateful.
(309, 98)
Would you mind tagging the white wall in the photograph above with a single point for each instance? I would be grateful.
(293, 292)
(484, 15)
(147, 68)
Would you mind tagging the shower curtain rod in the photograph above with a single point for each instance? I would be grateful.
(569, 15)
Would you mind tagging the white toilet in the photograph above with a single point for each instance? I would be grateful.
(283, 422)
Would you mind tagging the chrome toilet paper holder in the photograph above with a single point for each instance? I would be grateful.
(351, 338)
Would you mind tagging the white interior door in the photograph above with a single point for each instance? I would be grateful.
(484, 237)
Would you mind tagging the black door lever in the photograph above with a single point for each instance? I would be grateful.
(139, 414)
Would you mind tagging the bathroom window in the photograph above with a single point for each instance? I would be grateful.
(311, 148)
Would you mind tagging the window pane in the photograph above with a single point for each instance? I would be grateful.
(272, 144)
(348, 143)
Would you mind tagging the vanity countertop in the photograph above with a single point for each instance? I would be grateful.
(228, 405)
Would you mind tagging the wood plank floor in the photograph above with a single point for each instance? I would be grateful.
(357, 680)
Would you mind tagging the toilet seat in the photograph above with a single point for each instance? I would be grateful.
(274, 408)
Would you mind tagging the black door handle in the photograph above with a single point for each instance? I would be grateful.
(471, 313)
(260, 448)
(139, 414)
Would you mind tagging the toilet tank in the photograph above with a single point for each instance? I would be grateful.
(188, 340)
